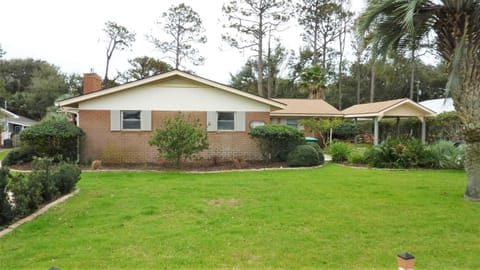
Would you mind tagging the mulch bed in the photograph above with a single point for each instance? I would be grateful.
(201, 166)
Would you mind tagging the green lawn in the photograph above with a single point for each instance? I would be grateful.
(326, 218)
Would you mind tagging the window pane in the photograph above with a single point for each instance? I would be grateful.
(292, 122)
(226, 121)
(131, 120)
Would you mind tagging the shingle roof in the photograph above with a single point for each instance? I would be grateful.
(396, 107)
(306, 107)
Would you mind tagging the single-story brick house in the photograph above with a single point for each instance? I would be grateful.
(119, 121)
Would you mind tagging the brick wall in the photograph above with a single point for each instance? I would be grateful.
(132, 146)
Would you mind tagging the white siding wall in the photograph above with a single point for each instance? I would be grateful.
(174, 97)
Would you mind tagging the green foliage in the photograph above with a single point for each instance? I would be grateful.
(55, 136)
(119, 38)
(357, 157)
(27, 194)
(345, 130)
(41, 174)
(303, 156)
(339, 151)
(30, 86)
(46, 182)
(322, 126)
(445, 126)
(144, 67)
(65, 176)
(276, 140)
(5, 208)
(180, 137)
(445, 155)
(398, 152)
(317, 147)
(18, 156)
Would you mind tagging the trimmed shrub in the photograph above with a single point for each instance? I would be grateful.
(65, 176)
(18, 156)
(357, 157)
(319, 151)
(41, 174)
(6, 214)
(55, 136)
(339, 151)
(345, 130)
(27, 194)
(276, 140)
(303, 156)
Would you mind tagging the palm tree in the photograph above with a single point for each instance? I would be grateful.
(455, 27)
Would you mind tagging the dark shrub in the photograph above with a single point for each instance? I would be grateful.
(41, 173)
(6, 214)
(65, 176)
(18, 156)
(303, 156)
(339, 151)
(27, 194)
(345, 130)
(319, 151)
(55, 136)
(276, 140)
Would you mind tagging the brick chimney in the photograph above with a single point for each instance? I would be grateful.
(91, 82)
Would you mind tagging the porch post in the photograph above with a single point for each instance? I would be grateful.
(375, 130)
(424, 132)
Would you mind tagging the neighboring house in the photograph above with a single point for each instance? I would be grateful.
(12, 124)
(439, 105)
(119, 121)
(299, 109)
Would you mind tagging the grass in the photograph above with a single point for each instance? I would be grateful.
(326, 218)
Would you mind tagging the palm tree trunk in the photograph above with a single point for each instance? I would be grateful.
(468, 110)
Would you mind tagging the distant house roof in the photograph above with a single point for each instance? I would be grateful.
(306, 108)
(394, 108)
(17, 119)
(274, 105)
(439, 105)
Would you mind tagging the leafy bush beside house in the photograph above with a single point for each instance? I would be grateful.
(55, 136)
(276, 140)
(180, 137)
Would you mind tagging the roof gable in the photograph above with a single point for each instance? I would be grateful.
(176, 78)
(397, 107)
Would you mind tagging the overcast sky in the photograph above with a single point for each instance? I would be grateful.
(69, 34)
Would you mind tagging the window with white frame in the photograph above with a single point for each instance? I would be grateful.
(226, 121)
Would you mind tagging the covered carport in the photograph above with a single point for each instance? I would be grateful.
(397, 108)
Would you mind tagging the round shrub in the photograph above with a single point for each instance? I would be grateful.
(340, 151)
(276, 140)
(319, 151)
(303, 156)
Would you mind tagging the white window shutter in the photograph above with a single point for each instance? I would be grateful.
(115, 120)
(146, 120)
(240, 121)
(212, 121)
